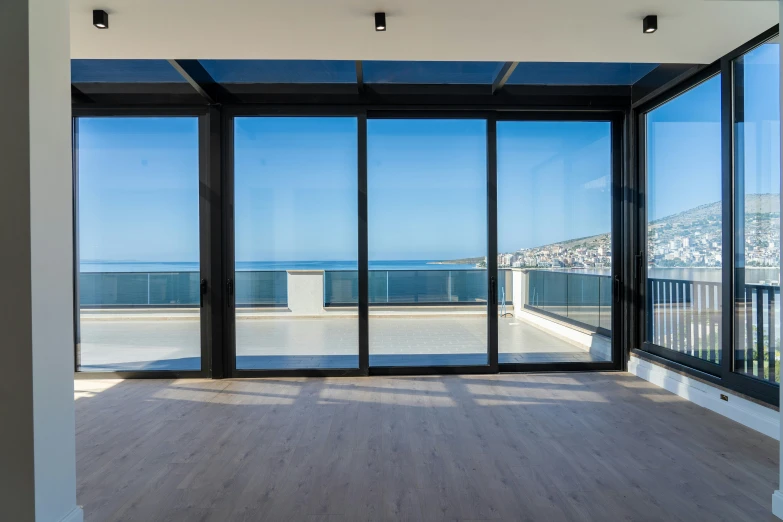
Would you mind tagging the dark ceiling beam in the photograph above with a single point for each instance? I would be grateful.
(661, 79)
(360, 76)
(198, 78)
(78, 96)
(503, 75)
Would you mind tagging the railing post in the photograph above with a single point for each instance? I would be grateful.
(759, 332)
(749, 330)
(771, 315)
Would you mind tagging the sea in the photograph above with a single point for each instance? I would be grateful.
(250, 266)
(752, 275)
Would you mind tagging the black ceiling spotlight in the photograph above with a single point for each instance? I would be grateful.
(380, 21)
(100, 19)
(650, 24)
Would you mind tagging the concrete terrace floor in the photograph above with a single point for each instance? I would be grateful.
(172, 342)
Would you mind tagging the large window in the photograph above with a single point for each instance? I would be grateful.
(138, 238)
(684, 223)
(295, 221)
(757, 213)
(427, 222)
(554, 241)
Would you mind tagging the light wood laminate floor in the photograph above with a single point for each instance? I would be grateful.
(547, 447)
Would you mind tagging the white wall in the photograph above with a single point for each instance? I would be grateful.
(755, 416)
(37, 430)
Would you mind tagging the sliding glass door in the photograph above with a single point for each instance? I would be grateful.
(301, 186)
(295, 284)
(709, 161)
(554, 237)
(139, 265)
(684, 294)
(756, 125)
(427, 235)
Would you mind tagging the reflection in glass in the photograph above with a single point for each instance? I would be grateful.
(138, 244)
(295, 215)
(427, 220)
(433, 73)
(757, 213)
(554, 241)
(684, 213)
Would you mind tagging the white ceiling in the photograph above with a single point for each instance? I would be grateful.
(689, 31)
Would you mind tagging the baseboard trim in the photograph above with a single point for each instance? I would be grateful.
(755, 416)
(76, 515)
(777, 504)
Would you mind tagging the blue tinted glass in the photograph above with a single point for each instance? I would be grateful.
(281, 71)
(431, 72)
(530, 73)
(427, 231)
(554, 215)
(124, 71)
(685, 223)
(295, 217)
(139, 243)
(757, 213)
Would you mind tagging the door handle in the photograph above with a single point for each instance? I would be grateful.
(616, 289)
(638, 266)
(202, 291)
(492, 291)
(230, 291)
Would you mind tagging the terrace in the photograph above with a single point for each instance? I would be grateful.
(308, 319)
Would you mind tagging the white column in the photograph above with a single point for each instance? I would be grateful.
(306, 292)
(37, 442)
(519, 284)
(777, 497)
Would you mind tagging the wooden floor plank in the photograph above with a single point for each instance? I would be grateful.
(551, 447)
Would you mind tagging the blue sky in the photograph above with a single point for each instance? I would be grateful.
(138, 189)
(684, 139)
(426, 189)
(554, 182)
(296, 188)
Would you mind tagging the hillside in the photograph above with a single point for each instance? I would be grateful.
(703, 217)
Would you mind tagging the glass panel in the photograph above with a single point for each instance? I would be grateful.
(584, 298)
(427, 219)
(684, 213)
(555, 73)
(139, 244)
(281, 71)
(457, 73)
(295, 214)
(124, 71)
(554, 240)
(757, 213)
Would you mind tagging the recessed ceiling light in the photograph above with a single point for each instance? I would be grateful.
(380, 21)
(650, 24)
(100, 19)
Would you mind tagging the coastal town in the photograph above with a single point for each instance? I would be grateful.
(688, 239)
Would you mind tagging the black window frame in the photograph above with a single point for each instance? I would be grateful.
(625, 106)
(208, 266)
(617, 121)
(721, 374)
